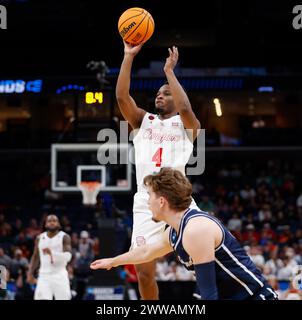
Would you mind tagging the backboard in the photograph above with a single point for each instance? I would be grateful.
(72, 164)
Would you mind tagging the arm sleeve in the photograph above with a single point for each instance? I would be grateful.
(61, 257)
(206, 280)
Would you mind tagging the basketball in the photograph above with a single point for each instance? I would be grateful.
(136, 26)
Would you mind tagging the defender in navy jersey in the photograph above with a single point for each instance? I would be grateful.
(203, 245)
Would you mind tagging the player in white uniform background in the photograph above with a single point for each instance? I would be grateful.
(52, 252)
(161, 141)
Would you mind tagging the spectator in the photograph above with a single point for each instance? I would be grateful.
(5, 228)
(235, 223)
(33, 230)
(274, 263)
(206, 204)
(250, 235)
(162, 268)
(17, 227)
(5, 260)
(247, 193)
(299, 200)
(256, 256)
(182, 274)
(267, 234)
(265, 214)
(286, 271)
(85, 246)
(18, 263)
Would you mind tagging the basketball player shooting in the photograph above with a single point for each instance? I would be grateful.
(161, 141)
(202, 244)
(52, 252)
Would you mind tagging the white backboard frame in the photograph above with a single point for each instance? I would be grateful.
(57, 147)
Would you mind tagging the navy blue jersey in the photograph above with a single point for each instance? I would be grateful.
(237, 277)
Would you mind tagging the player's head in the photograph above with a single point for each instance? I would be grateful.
(52, 223)
(164, 103)
(169, 190)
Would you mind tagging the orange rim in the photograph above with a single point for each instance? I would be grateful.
(90, 185)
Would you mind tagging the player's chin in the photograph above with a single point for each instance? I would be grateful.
(159, 109)
(52, 229)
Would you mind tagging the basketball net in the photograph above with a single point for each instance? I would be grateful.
(90, 190)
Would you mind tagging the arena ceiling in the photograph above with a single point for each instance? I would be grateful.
(60, 37)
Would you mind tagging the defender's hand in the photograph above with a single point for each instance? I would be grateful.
(172, 60)
(102, 264)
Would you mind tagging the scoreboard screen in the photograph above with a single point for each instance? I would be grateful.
(94, 104)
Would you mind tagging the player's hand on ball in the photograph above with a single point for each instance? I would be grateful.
(172, 60)
(102, 264)
(131, 50)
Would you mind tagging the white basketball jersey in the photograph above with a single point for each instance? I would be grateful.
(55, 244)
(160, 143)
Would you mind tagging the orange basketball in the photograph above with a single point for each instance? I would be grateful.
(136, 26)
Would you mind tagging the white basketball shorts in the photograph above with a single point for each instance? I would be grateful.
(145, 230)
(53, 286)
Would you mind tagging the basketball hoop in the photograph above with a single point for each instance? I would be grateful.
(90, 190)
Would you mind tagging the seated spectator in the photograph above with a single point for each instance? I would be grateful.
(66, 225)
(274, 263)
(5, 260)
(234, 223)
(267, 234)
(182, 274)
(5, 228)
(250, 235)
(33, 229)
(206, 204)
(256, 256)
(265, 214)
(286, 272)
(18, 263)
(17, 227)
(299, 200)
(285, 235)
(162, 269)
(247, 193)
(84, 254)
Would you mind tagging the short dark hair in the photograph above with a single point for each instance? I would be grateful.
(172, 185)
(167, 83)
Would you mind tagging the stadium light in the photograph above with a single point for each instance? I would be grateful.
(217, 107)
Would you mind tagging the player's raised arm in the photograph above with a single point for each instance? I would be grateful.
(126, 103)
(180, 98)
(199, 241)
(34, 263)
(138, 255)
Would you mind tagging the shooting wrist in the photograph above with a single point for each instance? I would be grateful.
(129, 56)
(169, 71)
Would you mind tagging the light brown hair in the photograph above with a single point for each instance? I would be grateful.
(172, 185)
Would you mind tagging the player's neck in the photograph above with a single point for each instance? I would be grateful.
(167, 116)
(174, 219)
(51, 234)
